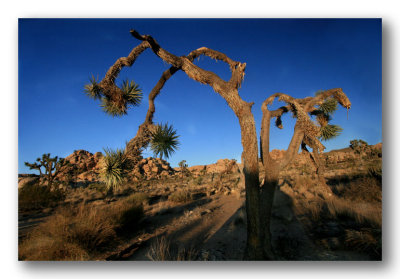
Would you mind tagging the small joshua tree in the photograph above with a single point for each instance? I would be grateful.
(51, 167)
(184, 167)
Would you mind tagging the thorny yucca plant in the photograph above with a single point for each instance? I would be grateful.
(92, 89)
(115, 168)
(129, 94)
(323, 115)
(132, 93)
(164, 140)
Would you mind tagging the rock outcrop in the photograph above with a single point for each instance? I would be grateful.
(27, 180)
(82, 166)
(151, 168)
(221, 166)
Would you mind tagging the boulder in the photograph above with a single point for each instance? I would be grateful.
(223, 166)
(151, 168)
(27, 181)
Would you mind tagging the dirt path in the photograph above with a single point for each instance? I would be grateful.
(199, 228)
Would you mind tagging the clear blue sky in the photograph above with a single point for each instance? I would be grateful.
(294, 56)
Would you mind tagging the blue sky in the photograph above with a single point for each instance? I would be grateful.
(294, 56)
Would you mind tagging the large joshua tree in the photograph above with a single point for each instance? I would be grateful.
(259, 198)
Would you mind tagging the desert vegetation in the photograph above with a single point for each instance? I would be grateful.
(202, 216)
(281, 205)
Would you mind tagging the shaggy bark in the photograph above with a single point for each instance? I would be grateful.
(259, 199)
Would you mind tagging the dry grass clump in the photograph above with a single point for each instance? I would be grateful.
(162, 250)
(79, 233)
(100, 187)
(181, 196)
(363, 188)
(37, 196)
(138, 198)
(363, 213)
(365, 240)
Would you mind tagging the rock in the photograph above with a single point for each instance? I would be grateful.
(223, 166)
(82, 166)
(27, 181)
(151, 168)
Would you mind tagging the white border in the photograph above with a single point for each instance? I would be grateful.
(12, 10)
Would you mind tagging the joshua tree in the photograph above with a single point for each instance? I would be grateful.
(259, 198)
(51, 167)
(323, 114)
(183, 166)
(164, 140)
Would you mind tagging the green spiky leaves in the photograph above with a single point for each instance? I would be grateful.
(323, 115)
(132, 93)
(122, 99)
(329, 106)
(330, 131)
(115, 168)
(164, 141)
(93, 89)
(115, 101)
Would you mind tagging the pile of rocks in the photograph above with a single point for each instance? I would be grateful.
(221, 166)
(82, 166)
(151, 168)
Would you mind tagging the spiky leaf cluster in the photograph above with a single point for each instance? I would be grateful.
(329, 106)
(115, 101)
(330, 131)
(122, 99)
(164, 140)
(131, 92)
(93, 89)
(115, 167)
(323, 115)
(113, 107)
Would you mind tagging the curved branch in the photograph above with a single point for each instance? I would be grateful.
(142, 138)
(336, 93)
(107, 85)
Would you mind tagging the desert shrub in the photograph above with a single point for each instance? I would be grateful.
(359, 146)
(198, 180)
(37, 196)
(127, 216)
(99, 187)
(138, 198)
(79, 233)
(162, 250)
(70, 234)
(180, 197)
(366, 240)
(375, 172)
(363, 214)
(359, 188)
